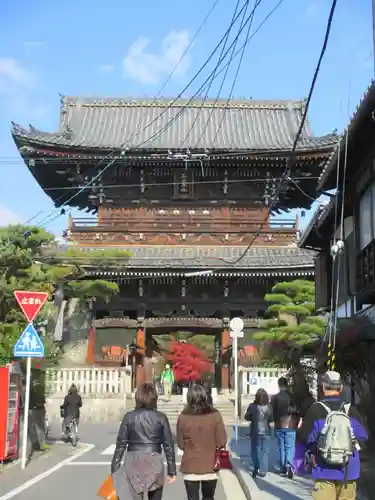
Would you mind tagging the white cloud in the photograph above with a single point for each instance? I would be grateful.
(106, 69)
(12, 73)
(18, 90)
(150, 67)
(8, 217)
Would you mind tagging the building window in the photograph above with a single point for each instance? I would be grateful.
(366, 217)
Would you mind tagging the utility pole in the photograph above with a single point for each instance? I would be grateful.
(373, 32)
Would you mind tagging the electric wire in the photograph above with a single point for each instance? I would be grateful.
(303, 120)
(222, 80)
(157, 134)
(46, 220)
(341, 250)
(215, 70)
(240, 154)
(257, 3)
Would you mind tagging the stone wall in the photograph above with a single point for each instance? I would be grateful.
(77, 324)
(94, 409)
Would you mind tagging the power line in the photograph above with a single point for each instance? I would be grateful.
(216, 67)
(257, 3)
(157, 134)
(154, 136)
(304, 116)
(14, 160)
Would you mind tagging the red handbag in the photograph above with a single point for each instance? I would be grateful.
(222, 460)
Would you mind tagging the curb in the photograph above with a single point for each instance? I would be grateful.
(248, 485)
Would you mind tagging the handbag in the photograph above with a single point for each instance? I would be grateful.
(107, 489)
(222, 460)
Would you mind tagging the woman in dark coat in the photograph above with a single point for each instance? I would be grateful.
(143, 434)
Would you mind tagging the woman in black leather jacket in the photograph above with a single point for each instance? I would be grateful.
(143, 434)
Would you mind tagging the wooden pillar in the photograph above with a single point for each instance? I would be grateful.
(225, 344)
(140, 366)
(90, 354)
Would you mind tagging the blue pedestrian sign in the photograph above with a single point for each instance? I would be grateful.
(29, 344)
(253, 381)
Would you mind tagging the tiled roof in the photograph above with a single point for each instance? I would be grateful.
(242, 125)
(257, 258)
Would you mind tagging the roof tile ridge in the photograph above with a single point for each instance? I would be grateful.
(129, 101)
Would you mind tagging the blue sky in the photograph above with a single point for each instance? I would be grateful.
(123, 48)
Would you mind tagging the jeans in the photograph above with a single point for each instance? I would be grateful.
(259, 452)
(208, 489)
(286, 442)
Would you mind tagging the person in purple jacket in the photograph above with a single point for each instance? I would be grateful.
(333, 482)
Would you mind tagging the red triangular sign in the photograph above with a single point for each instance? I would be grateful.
(31, 303)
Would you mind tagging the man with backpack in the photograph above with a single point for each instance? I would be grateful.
(333, 431)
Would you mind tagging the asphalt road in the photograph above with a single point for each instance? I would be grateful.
(68, 474)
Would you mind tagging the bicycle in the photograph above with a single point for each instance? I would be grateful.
(71, 431)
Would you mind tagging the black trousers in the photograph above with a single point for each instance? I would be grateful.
(193, 489)
(152, 495)
(156, 494)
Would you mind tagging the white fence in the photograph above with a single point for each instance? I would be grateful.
(105, 382)
(252, 379)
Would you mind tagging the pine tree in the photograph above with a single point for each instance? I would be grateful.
(291, 321)
(23, 267)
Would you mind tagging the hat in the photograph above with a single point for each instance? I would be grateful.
(331, 378)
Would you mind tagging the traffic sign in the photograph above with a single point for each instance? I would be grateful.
(30, 303)
(29, 344)
(253, 381)
(236, 324)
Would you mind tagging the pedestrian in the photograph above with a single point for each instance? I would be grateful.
(70, 409)
(260, 416)
(286, 421)
(200, 432)
(333, 431)
(167, 379)
(144, 432)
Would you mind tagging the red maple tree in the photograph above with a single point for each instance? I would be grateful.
(189, 362)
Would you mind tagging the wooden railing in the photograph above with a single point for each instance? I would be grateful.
(90, 381)
(252, 379)
(178, 223)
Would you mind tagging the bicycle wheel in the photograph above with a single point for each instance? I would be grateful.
(73, 435)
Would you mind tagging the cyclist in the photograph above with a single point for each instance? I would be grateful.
(70, 409)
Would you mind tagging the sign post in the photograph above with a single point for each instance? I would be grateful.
(236, 331)
(28, 346)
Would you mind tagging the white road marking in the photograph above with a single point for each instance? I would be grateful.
(48, 472)
(84, 464)
(90, 464)
(110, 450)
